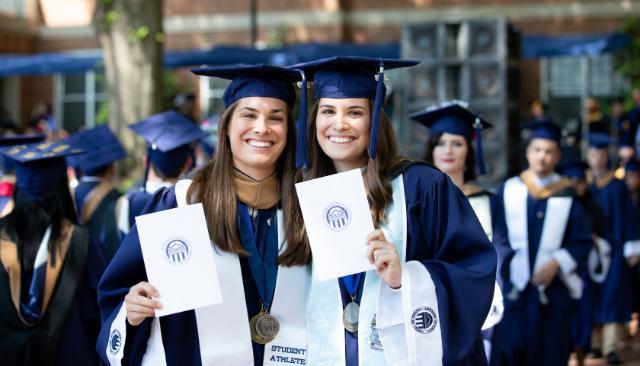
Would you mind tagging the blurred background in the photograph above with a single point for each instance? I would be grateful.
(66, 65)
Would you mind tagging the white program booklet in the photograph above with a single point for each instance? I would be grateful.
(338, 219)
(179, 259)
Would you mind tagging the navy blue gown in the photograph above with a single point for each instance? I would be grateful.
(531, 333)
(179, 331)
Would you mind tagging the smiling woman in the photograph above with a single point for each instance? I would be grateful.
(246, 191)
(407, 311)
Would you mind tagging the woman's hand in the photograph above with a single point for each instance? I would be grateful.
(139, 303)
(385, 258)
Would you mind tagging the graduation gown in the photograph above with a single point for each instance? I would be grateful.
(612, 298)
(485, 205)
(68, 330)
(96, 208)
(430, 320)
(536, 327)
(181, 339)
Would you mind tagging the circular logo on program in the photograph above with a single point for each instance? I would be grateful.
(337, 216)
(177, 251)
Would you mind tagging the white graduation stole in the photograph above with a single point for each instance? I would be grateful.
(385, 332)
(482, 208)
(553, 229)
(223, 329)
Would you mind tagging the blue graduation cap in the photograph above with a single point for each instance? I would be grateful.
(39, 166)
(101, 146)
(599, 140)
(575, 169)
(633, 165)
(254, 81)
(13, 140)
(454, 117)
(169, 136)
(342, 77)
(544, 129)
(626, 141)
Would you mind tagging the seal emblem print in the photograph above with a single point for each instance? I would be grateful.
(424, 320)
(177, 251)
(337, 216)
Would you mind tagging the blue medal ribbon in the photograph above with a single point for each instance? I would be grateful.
(351, 283)
(262, 244)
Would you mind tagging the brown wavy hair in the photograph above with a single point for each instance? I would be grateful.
(377, 173)
(213, 186)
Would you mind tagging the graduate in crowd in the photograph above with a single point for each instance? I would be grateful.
(549, 232)
(414, 309)
(50, 266)
(612, 304)
(597, 263)
(632, 180)
(626, 152)
(95, 195)
(8, 178)
(170, 141)
(247, 194)
(452, 127)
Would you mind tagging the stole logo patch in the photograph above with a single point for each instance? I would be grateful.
(177, 251)
(115, 341)
(424, 320)
(373, 340)
(337, 216)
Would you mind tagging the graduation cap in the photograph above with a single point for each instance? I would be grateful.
(599, 140)
(544, 129)
(169, 136)
(13, 140)
(39, 166)
(101, 146)
(575, 169)
(633, 165)
(454, 117)
(342, 77)
(626, 141)
(254, 81)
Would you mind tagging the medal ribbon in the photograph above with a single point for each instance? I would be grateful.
(351, 283)
(264, 269)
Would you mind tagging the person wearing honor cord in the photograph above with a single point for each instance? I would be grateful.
(453, 126)
(247, 194)
(430, 253)
(613, 296)
(50, 266)
(550, 234)
(96, 195)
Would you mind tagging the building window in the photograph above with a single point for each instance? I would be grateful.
(81, 100)
(567, 81)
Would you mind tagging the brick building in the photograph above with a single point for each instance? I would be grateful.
(32, 27)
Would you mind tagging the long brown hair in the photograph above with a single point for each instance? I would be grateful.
(377, 174)
(213, 186)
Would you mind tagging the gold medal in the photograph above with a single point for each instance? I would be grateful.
(264, 327)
